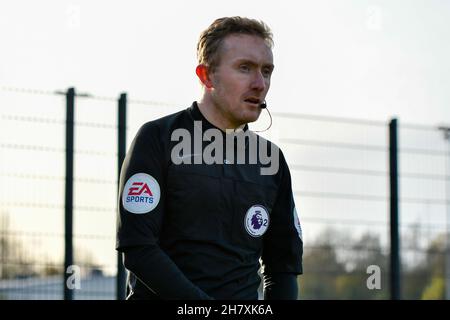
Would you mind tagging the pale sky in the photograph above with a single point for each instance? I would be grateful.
(359, 59)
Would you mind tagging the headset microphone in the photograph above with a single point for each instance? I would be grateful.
(264, 106)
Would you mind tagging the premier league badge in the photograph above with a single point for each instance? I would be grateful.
(256, 221)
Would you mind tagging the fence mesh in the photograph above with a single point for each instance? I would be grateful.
(340, 177)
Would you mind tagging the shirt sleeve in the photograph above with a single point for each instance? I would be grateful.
(283, 244)
(171, 284)
(280, 286)
(141, 207)
(141, 190)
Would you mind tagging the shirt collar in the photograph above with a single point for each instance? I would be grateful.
(198, 116)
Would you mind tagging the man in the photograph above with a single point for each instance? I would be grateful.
(198, 206)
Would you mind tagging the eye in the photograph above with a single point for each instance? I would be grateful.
(244, 67)
(267, 72)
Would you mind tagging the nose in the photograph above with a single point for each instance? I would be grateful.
(258, 82)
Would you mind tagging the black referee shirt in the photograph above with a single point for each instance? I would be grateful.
(210, 222)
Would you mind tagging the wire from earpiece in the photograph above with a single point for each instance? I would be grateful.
(264, 106)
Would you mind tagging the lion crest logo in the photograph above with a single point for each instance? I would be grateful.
(256, 220)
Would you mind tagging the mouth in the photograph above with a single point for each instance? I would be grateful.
(253, 100)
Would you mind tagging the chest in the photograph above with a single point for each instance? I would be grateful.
(227, 202)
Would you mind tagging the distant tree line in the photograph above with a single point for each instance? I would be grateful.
(335, 267)
(16, 260)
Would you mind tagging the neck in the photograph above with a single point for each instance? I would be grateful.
(215, 116)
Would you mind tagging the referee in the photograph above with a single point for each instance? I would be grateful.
(204, 202)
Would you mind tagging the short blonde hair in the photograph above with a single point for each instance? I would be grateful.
(209, 44)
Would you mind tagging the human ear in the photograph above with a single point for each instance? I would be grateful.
(202, 74)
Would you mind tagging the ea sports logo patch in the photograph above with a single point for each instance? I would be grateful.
(141, 193)
(256, 221)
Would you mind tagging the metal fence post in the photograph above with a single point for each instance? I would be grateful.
(394, 217)
(68, 218)
(122, 130)
(446, 131)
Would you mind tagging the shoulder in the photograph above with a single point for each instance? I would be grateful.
(272, 148)
(161, 128)
(164, 123)
(155, 135)
(270, 157)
